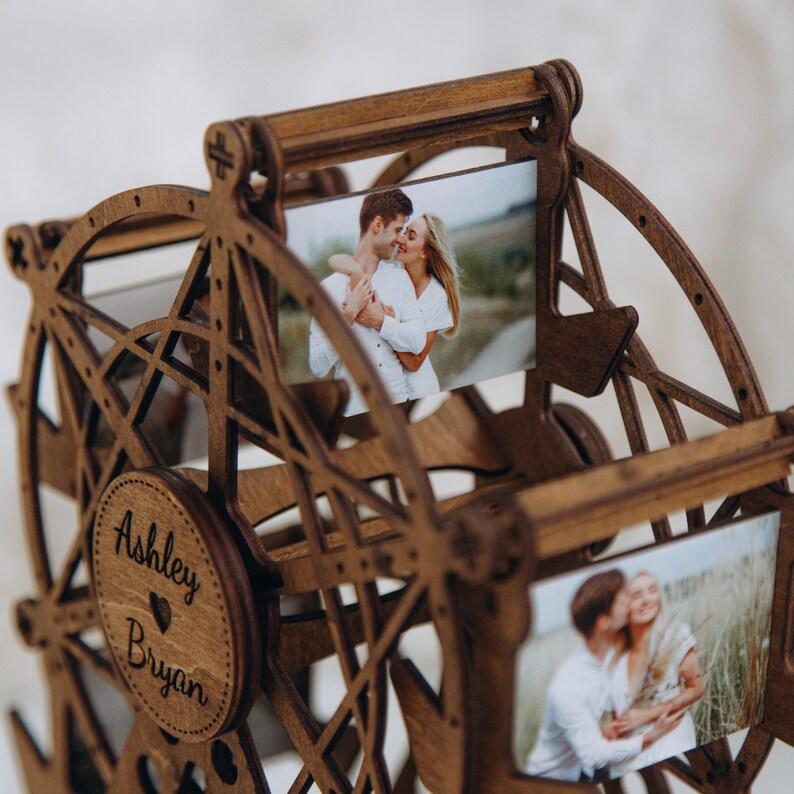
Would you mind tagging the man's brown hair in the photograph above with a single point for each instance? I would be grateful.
(387, 204)
(594, 598)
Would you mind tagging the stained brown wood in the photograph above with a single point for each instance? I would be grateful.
(568, 357)
(387, 123)
(151, 231)
(645, 488)
(175, 604)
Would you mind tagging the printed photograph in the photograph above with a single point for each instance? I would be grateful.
(642, 657)
(436, 278)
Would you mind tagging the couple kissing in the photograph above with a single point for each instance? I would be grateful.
(621, 700)
(398, 291)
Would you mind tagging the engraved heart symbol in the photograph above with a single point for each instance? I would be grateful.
(161, 610)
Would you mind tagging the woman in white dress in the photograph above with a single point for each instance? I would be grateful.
(658, 673)
(426, 254)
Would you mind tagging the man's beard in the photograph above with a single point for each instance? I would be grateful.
(387, 252)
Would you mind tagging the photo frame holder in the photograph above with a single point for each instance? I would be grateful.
(545, 491)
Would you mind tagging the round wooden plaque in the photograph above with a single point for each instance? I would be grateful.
(175, 603)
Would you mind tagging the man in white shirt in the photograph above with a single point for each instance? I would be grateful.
(385, 288)
(570, 745)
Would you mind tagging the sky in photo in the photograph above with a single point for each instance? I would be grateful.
(459, 200)
(669, 562)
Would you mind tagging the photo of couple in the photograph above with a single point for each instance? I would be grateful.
(395, 308)
(437, 298)
(655, 655)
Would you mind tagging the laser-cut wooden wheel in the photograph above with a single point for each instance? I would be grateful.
(338, 560)
(341, 547)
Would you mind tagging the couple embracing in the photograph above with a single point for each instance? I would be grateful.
(396, 308)
(620, 701)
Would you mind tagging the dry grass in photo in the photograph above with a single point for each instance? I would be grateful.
(729, 609)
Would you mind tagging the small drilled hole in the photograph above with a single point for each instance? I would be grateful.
(218, 366)
(91, 222)
(742, 767)
(147, 776)
(106, 402)
(220, 242)
(364, 565)
(56, 267)
(218, 325)
(70, 341)
(191, 206)
(52, 312)
(249, 239)
(223, 762)
(742, 394)
(340, 568)
(88, 372)
(642, 221)
(579, 167)
(218, 284)
(25, 625)
(167, 736)
(490, 604)
(137, 201)
(698, 299)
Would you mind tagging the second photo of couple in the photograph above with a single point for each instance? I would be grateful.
(438, 283)
(621, 701)
(663, 650)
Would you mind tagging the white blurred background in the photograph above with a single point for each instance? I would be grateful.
(691, 101)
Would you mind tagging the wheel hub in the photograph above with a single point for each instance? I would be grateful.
(175, 603)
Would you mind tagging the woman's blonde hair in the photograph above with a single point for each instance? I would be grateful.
(441, 263)
(659, 626)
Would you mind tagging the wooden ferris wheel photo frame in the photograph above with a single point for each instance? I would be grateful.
(204, 594)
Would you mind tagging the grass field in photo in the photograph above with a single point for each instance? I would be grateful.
(728, 606)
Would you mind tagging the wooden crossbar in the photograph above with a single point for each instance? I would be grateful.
(401, 120)
(588, 506)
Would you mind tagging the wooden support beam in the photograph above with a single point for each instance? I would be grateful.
(591, 505)
(401, 120)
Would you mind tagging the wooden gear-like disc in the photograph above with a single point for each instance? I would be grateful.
(175, 603)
